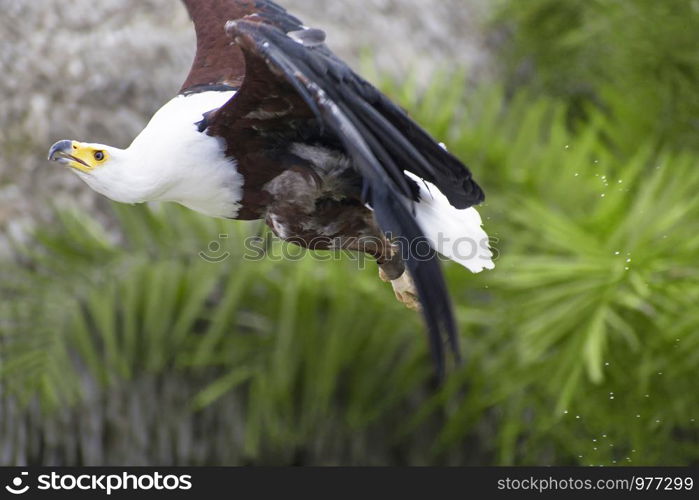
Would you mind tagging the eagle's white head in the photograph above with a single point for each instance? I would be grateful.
(105, 169)
(171, 160)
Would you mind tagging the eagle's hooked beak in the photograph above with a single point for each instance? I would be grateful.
(64, 152)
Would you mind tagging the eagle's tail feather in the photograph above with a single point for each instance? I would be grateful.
(455, 233)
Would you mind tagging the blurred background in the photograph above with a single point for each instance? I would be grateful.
(122, 343)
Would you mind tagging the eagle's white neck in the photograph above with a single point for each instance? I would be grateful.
(171, 160)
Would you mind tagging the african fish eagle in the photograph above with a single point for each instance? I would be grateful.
(271, 125)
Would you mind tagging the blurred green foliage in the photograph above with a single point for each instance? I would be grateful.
(637, 60)
(582, 346)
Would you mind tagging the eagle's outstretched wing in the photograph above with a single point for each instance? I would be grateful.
(289, 79)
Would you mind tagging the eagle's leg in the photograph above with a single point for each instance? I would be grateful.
(392, 270)
(391, 267)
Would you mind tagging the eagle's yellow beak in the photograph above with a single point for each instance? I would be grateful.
(76, 155)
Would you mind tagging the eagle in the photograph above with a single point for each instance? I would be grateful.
(271, 125)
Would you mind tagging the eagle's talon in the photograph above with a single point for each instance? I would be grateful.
(405, 290)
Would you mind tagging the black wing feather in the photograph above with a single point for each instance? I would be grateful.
(441, 167)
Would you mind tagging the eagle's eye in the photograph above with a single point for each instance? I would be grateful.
(99, 155)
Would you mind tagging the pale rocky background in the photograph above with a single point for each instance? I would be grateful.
(95, 70)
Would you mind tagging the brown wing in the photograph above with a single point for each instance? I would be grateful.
(218, 61)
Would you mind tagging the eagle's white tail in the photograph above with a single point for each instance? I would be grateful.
(456, 234)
